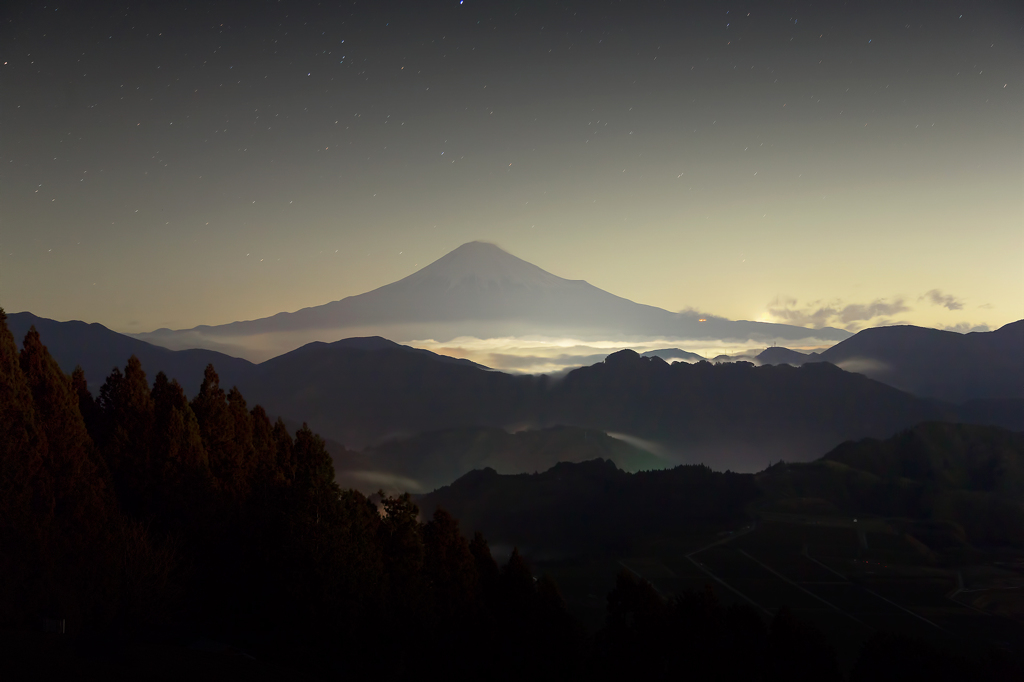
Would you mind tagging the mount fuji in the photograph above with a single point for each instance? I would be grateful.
(478, 290)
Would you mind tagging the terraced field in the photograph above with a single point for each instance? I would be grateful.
(850, 578)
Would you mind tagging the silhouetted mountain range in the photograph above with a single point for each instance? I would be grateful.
(950, 483)
(477, 290)
(777, 355)
(734, 415)
(360, 392)
(98, 350)
(588, 505)
(968, 477)
(670, 354)
(929, 362)
(938, 364)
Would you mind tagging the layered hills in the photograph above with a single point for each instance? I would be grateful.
(362, 392)
(951, 484)
(98, 350)
(580, 507)
(929, 362)
(477, 290)
(968, 479)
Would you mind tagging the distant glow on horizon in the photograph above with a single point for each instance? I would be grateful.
(540, 355)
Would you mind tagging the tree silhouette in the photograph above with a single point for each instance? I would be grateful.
(448, 569)
(217, 429)
(74, 478)
(126, 434)
(181, 467)
(26, 506)
(87, 405)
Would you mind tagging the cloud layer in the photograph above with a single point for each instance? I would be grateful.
(855, 316)
(947, 301)
(834, 313)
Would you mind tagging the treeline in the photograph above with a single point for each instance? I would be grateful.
(594, 506)
(141, 508)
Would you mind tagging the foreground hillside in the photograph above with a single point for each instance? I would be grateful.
(967, 480)
(917, 535)
(144, 526)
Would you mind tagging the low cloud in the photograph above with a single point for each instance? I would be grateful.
(539, 364)
(690, 311)
(868, 366)
(385, 479)
(947, 301)
(833, 313)
(965, 327)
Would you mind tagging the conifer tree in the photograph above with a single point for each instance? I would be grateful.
(486, 567)
(311, 511)
(87, 406)
(217, 428)
(180, 444)
(264, 449)
(314, 468)
(516, 583)
(76, 479)
(244, 451)
(70, 448)
(402, 549)
(284, 453)
(25, 506)
(180, 460)
(127, 434)
(448, 567)
(75, 570)
(21, 459)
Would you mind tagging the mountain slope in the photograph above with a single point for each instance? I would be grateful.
(777, 355)
(730, 416)
(99, 350)
(596, 507)
(948, 456)
(592, 504)
(938, 364)
(736, 415)
(965, 481)
(670, 354)
(481, 291)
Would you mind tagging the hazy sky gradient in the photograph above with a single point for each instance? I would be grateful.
(169, 167)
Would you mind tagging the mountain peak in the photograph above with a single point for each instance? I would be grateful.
(484, 263)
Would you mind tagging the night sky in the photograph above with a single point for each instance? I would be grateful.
(849, 164)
